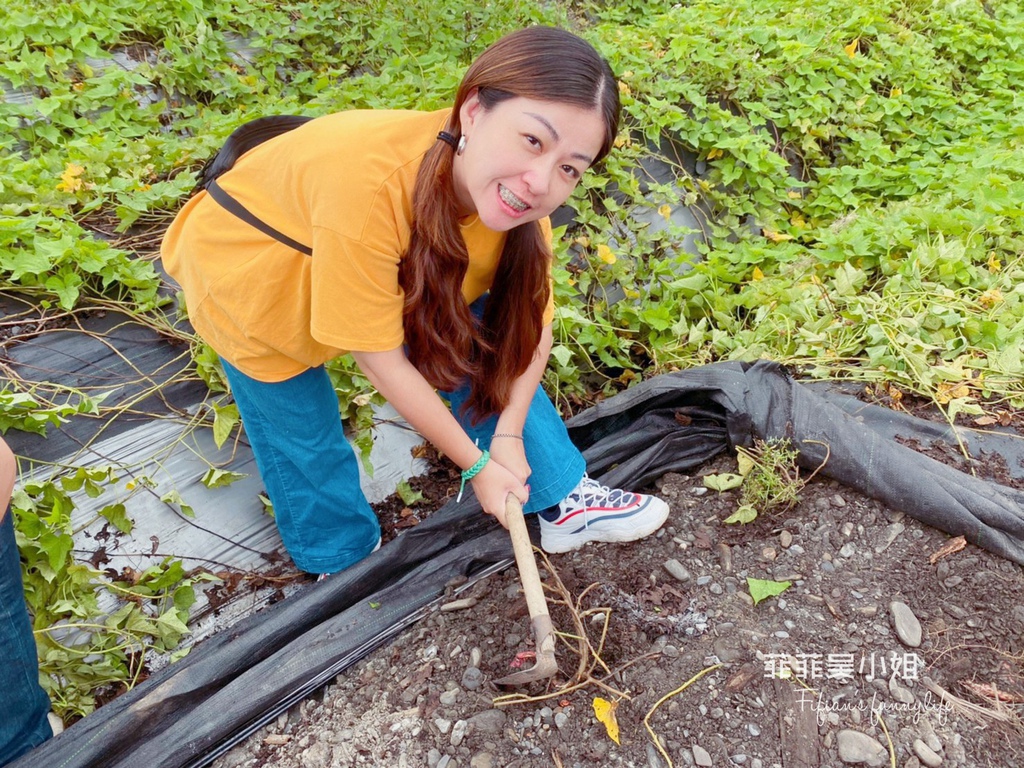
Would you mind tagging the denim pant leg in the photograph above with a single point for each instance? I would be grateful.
(23, 723)
(308, 468)
(556, 465)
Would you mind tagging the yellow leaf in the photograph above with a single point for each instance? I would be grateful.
(793, 195)
(776, 237)
(946, 391)
(624, 88)
(583, 240)
(69, 180)
(604, 711)
(714, 153)
(990, 298)
(798, 221)
(757, 274)
(851, 49)
(605, 254)
(665, 211)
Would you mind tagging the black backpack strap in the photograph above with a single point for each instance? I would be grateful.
(231, 205)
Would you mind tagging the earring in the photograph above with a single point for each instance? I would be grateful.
(461, 147)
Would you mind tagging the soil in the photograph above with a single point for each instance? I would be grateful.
(815, 676)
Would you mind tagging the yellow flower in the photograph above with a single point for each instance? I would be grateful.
(990, 298)
(605, 254)
(69, 180)
(665, 211)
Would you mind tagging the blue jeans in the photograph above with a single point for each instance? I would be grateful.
(23, 723)
(312, 476)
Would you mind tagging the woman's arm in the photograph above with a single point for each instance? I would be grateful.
(8, 469)
(510, 451)
(412, 396)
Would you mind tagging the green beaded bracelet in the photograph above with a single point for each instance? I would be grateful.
(469, 474)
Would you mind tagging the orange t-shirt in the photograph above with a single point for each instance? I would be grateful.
(343, 185)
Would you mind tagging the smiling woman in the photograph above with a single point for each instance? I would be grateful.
(430, 263)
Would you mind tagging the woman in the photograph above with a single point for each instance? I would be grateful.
(430, 258)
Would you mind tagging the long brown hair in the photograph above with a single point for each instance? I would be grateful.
(444, 342)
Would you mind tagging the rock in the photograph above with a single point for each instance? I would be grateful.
(701, 756)
(472, 678)
(785, 539)
(702, 580)
(482, 760)
(847, 550)
(856, 747)
(443, 725)
(676, 570)
(459, 732)
(448, 698)
(908, 628)
(891, 533)
(899, 693)
(654, 759)
(319, 755)
(926, 755)
(561, 720)
(459, 605)
(488, 721)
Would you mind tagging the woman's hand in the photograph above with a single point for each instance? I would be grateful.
(492, 486)
(511, 454)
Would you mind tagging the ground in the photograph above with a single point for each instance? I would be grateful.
(816, 676)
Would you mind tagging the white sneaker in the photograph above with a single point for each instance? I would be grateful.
(594, 512)
(56, 724)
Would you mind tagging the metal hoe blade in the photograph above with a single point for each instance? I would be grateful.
(540, 620)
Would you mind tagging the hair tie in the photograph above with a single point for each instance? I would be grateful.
(448, 139)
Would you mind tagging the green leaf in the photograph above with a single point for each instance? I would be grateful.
(762, 590)
(117, 515)
(744, 514)
(723, 482)
(225, 418)
(407, 494)
(174, 498)
(220, 478)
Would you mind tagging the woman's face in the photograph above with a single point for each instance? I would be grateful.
(523, 158)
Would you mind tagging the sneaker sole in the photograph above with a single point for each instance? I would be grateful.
(653, 518)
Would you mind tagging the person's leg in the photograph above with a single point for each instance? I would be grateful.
(308, 468)
(23, 724)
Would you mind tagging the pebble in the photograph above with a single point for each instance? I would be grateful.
(701, 756)
(488, 721)
(785, 539)
(443, 725)
(482, 760)
(459, 605)
(561, 720)
(847, 550)
(446, 761)
(459, 732)
(702, 580)
(891, 532)
(472, 678)
(676, 570)
(475, 657)
(856, 747)
(753, 729)
(899, 693)
(768, 553)
(908, 628)
(926, 755)
(448, 698)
